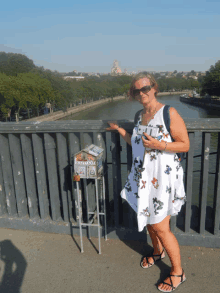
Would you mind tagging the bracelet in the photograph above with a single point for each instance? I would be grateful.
(165, 146)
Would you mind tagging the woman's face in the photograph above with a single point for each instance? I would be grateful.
(147, 97)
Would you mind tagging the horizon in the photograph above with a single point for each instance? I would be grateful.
(88, 37)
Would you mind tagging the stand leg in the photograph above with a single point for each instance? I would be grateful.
(87, 207)
(104, 208)
(79, 215)
(97, 202)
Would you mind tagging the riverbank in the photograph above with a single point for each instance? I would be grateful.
(172, 93)
(60, 114)
(202, 102)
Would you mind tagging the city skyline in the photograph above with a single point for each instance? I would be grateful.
(88, 37)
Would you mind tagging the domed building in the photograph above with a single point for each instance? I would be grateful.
(115, 69)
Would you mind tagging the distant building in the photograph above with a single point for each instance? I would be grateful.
(193, 77)
(115, 69)
(74, 77)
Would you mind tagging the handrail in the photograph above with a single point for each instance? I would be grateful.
(192, 125)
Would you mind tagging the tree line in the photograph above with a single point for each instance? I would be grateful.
(26, 86)
(23, 85)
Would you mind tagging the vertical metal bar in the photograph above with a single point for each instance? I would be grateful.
(130, 213)
(216, 207)
(98, 219)
(65, 176)
(87, 211)
(100, 140)
(50, 146)
(30, 180)
(3, 208)
(189, 181)
(74, 147)
(204, 180)
(18, 174)
(129, 158)
(86, 140)
(39, 161)
(104, 203)
(173, 223)
(79, 215)
(8, 175)
(116, 174)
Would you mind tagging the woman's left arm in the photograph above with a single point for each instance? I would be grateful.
(179, 133)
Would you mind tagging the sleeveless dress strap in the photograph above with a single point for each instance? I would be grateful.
(137, 116)
(166, 117)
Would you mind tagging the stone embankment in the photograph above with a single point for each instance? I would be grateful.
(172, 93)
(202, 102)
(60, 114)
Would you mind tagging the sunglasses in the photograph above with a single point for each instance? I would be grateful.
(144, 89)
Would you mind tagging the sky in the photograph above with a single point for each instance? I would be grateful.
(89, 35)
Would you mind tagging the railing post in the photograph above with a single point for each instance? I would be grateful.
(18, 174)
(74, 147)
(216, 206)
(52, 172)
(39, 161)
(131, 216)
(3, 208)
(204, 180)
(116, 176)
(65, 176)
(189, 181)
(29, 171)
(8, 175)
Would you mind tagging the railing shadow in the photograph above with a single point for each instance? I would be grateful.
(195, 220)
(12, 277)
(143, 246)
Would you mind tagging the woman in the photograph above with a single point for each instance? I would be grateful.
(154, 187)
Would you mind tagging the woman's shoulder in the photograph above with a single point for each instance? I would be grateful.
(173, 111)
(175, 117)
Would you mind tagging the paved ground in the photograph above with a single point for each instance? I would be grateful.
(33, 262)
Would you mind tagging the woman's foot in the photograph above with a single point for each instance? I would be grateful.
(147, 262)
(173, 280)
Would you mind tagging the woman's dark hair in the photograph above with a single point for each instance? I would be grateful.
(139, 76)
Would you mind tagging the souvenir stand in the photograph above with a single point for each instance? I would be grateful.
(88, 164)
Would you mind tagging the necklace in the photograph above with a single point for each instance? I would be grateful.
(151, 117)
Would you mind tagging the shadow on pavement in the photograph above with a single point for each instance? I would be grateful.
(143, 246)
(14, 268)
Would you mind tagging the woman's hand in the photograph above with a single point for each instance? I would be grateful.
(151, 142)
(113, 126)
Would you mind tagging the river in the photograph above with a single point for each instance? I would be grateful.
(125, 109)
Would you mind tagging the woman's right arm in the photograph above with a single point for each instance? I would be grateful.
(125, 135)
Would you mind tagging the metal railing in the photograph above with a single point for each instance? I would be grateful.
(37, 191)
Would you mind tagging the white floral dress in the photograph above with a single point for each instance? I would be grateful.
(154, 187)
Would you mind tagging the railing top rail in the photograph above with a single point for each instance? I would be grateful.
(199, 124)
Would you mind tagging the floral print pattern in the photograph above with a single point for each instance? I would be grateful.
(158, 205)
(154, 188)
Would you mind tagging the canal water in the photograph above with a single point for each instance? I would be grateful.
(124, 109)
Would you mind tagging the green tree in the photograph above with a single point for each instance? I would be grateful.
(26, 90)
(13, 64)
(211, 82)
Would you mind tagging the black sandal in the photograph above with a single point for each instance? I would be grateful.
(151, 264)
(171, 285)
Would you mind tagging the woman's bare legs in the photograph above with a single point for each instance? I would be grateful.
(161, 236)
(170, 243)
(157, 245)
